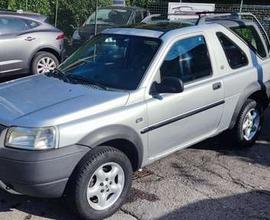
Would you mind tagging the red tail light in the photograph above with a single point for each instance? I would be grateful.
(60, 36)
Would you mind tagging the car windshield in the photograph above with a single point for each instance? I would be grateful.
(114, 61)
(111, 16)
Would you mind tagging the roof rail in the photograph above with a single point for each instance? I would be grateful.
(203, 16)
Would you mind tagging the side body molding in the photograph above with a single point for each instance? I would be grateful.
(113, 132)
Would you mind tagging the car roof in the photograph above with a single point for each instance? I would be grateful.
(159, 28)
(163, 26)
(230, 22)
(154, 30)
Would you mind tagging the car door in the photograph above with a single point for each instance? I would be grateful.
(181, 119)
(16, 44)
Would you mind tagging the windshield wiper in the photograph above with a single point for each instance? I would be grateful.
(87, 81)
(58, 74)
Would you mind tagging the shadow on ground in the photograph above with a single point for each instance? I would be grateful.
(251, 205)
(5, 79)
(257, 154)
(45, 208)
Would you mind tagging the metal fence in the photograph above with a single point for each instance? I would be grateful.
(261, 11)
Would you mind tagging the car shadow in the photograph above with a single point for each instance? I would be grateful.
(251, 205)
(45, 208)
(257, 154)
(13, 77)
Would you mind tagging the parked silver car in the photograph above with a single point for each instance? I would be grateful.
(28, 44)
(127, 98)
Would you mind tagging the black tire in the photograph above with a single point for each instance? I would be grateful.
(237, 132)
(76, 193)
(40, 55)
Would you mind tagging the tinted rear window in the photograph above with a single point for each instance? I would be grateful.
(10, 25)
(252, 38)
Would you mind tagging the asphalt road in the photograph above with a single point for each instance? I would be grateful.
(211, 180)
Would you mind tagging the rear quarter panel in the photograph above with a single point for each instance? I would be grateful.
(240, 83)
(45, 40)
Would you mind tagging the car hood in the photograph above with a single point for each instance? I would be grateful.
(46, 101)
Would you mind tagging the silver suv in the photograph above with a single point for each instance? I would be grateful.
(127, 98)
(28, 44)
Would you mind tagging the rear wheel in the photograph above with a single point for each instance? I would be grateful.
(249, 123)
(101, 183)
(44, 62)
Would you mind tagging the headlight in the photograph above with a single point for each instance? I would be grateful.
(31, 138)
(76, 35)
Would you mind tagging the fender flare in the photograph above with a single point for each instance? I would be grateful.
(113, 132)
(251, 89)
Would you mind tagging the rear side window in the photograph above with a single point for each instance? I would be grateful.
(9, 25)
(235, 55)
(31, 24)
(252, 38)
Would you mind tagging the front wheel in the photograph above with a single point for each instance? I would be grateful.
(249, 123)
(101, 183)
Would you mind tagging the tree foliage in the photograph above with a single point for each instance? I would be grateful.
(70, 12)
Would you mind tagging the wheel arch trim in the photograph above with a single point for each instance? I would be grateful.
(249, 91)
(114, 132)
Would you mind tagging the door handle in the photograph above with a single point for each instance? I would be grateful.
(217, 86)
(29, 38)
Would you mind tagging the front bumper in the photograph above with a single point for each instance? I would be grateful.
(39, 173)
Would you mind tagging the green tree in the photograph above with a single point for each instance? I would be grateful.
(70, 12)
(3, 4)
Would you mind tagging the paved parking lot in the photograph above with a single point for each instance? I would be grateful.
(211, 180)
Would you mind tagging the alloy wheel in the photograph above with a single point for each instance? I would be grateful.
(45, 64)
(251, 124)
(105, 186)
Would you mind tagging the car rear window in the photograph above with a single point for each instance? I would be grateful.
(252, 38)
(10, 25)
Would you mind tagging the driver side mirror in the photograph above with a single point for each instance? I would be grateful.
(168, 85)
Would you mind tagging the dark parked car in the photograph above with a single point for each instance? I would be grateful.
(108, 17)
(29, 44)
